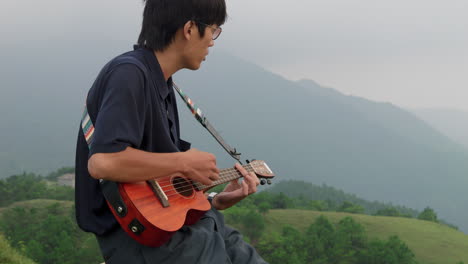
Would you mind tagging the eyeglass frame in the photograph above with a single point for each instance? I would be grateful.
(215, 29)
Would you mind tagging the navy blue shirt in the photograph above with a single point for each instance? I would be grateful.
(130, 104)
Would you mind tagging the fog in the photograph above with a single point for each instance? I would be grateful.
(410, 53)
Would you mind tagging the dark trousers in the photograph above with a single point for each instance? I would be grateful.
(209, 241)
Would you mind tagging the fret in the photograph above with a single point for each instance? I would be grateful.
(225, 175)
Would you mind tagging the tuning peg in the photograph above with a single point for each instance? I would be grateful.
(263, 181)
(248, 161)
(269, 182)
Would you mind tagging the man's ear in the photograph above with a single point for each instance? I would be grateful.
(188, 29)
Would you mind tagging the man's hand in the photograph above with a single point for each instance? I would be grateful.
(235, 191)
(200, 166)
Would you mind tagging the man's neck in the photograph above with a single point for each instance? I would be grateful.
(169, 62)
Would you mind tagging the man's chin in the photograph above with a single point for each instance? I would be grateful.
(195, 67)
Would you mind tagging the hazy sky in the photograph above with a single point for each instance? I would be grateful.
(413, 53)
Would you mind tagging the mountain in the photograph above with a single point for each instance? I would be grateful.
(333, 196)
(308, 132)
(451, 122)
(304, 131)
(42, 94)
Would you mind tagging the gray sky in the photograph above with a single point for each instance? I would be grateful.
(413, 53)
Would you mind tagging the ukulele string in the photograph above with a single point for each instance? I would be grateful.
(229, 173)
(226, 176)
(185, 186)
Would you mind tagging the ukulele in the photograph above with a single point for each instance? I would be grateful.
(151, 211)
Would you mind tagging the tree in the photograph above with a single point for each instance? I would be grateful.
(49, 235)
(393, 251)
(388, 211)
(287, 247)
(281, 201)
(402, 252)
(29, 186)
(428, 214)
(320, 241)
(246, 219)
(349, 207)
(254, 225)
(377, 253)
(264, 207)
(350, 239)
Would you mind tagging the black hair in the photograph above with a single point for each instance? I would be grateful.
(162, 19)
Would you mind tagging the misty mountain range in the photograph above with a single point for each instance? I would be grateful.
(451, 122)
(304, 131)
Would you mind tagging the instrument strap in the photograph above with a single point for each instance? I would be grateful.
(88, 127)
(198, 114)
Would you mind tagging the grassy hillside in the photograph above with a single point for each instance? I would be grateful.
(11, 256)
(48, 232)
(431, 243)
(41, 204)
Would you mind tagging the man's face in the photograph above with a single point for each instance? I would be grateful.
(198, 47)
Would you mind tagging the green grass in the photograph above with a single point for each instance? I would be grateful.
(65, 206)
(432, 243)
(8, 255)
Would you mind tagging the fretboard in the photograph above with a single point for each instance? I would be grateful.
(225, 175)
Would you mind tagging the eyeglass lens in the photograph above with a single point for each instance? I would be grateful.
(216, 33)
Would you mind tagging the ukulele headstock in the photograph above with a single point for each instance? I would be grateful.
(262, 171)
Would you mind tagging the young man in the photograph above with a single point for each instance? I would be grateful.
(136, 138)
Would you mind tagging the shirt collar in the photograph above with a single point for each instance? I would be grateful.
(156, 72)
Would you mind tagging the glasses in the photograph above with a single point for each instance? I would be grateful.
(216, 30)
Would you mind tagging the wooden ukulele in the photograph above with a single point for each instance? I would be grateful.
(151, 211)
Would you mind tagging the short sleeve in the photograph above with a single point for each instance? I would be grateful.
(121, 111)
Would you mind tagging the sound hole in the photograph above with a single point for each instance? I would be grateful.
(182, 186)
